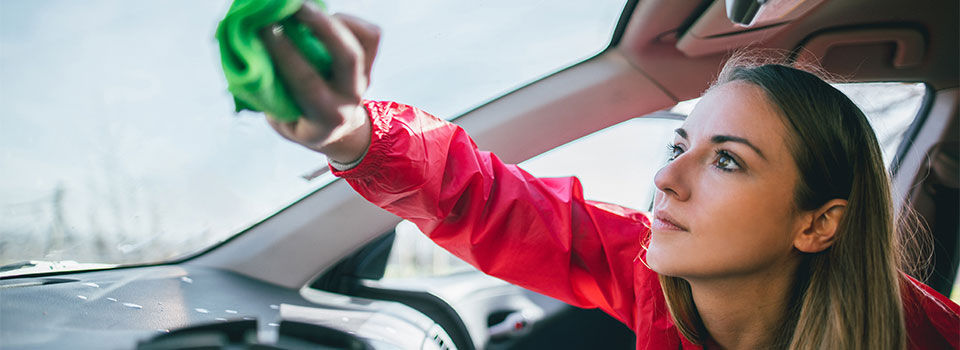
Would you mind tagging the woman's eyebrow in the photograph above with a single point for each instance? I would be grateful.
(724, 138)
(728, 138)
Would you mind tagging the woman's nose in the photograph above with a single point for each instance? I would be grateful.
(671, 180)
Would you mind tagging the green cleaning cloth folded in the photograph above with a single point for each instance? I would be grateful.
(251, 76)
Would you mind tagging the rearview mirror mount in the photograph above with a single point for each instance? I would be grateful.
(743, 12)
(747, 13)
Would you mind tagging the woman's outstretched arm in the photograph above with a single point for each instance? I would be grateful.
(537, 233)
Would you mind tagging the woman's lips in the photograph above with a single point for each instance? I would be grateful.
(663, 221)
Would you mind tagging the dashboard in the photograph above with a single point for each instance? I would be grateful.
(177, 307)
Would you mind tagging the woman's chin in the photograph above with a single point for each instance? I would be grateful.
(666, 261)
(654, 260)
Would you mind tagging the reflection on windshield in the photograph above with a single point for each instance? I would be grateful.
(118, 143)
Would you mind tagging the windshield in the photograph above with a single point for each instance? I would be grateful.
(118, 144)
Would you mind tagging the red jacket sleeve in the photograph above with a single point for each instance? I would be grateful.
(538, 233)
(932, 320)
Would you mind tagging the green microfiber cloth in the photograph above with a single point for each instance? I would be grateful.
(251, 76)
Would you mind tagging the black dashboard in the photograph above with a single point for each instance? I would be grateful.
(176, 306)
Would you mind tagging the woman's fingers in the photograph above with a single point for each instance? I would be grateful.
(330, 122)
(310, 135)
(348, 54)
(280, 127)
(306, 86)
(367, 33)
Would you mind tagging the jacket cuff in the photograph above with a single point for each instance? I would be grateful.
(347, 166)
(381, 141)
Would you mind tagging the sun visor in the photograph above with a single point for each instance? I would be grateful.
(715, 32)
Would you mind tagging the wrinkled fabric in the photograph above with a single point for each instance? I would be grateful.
(247, 65)
(540, 233)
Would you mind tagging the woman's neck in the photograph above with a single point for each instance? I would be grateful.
(744, 312)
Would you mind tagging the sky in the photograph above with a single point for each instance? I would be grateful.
(115, 123)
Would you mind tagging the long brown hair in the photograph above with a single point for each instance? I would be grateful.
(847, 296)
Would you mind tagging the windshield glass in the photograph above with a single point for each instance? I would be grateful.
(118, 144)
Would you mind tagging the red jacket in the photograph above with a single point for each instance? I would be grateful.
(540, 233)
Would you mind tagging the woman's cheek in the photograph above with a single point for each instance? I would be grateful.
(746, 231)
(719, 239)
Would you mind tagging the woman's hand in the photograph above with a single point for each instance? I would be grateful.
(333, 121)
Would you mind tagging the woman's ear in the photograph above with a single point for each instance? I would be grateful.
(818, 228)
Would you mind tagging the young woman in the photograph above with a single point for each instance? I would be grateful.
(773, 225)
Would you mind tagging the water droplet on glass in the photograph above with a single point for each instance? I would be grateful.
(82, 297)
(221, 319)
(274, 306)
(202, 310)
(112, 299)
(126, 247)
(273, 324)
(248, 318)
(91, 284)
(230, 311)
(132, 305)
(186, 279)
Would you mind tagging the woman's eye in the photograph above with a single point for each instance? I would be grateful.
(726, 162)
(675, 151)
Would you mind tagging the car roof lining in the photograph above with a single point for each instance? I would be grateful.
(651, 38)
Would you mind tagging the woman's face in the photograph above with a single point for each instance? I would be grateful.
(725, 202)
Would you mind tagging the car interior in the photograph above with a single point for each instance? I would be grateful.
(312, 275)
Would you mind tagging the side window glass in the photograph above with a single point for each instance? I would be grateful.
(616, 164)
(891, 109)
(413, 255)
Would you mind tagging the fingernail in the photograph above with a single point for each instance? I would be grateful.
(277, 29)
